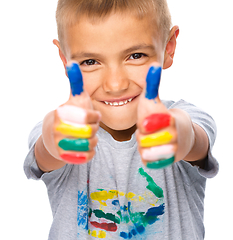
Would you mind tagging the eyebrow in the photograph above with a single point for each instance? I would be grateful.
(126, 51)
(139, 47)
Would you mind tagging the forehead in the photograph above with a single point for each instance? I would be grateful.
(116, 30)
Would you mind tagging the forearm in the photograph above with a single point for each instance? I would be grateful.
(193, 143)
(200, 148)
(46, 160)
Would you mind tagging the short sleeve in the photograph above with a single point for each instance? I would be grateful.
(205, 121)
(31, 168)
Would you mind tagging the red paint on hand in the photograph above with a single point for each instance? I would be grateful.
(111, 227)
(156, 121)
(74, 158)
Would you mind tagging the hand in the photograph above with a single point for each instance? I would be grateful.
(76, 123)
(157, 133)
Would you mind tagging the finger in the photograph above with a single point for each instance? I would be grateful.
(152, 82)
(75, 114)
(159, 157)
(149, 102)
(160, 164)
(75, 77)
(83, 131)
(158, 149)
(165, 136)
(78, 145)
(157, 153)
(156, 121)
(77, 151)
(156, 139)
(79, 97)
(77, 157)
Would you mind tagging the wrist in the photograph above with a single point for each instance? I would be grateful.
(185, 133)
(48, 136)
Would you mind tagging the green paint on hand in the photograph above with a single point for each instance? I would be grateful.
(161, 163)
(152, 186)
(81, 145)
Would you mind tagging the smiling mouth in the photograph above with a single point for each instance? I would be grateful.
(119, 103)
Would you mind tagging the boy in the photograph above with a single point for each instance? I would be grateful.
(119, 185)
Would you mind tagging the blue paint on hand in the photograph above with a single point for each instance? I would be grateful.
(76, 79)
(152, 82)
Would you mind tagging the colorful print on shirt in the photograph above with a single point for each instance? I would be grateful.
(139, 216)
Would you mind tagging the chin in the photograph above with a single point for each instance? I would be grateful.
(117, 125)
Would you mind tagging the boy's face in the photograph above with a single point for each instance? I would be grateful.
(114, 56)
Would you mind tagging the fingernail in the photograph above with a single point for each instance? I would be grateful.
(152, 82)
(157, 153)
(76, 79)
(156, 139)
(74, 158)
(77, 131)
(161, 164)
(72, 114)
(155, 122)
(81, 145)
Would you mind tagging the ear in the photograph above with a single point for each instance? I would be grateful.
(171, 47)
(61, 54)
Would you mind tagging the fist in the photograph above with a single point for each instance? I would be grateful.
(76, 123)
(156, 134)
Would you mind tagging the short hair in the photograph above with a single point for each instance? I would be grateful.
(70, 11)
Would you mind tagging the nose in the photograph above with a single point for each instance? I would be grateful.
(116, 81)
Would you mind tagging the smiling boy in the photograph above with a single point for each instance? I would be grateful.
(113, 195)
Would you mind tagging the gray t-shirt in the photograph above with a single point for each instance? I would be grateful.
(115, 197)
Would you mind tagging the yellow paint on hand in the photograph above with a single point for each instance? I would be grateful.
(156, 139)
(82, 131)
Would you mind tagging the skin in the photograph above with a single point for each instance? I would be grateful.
(114, 60)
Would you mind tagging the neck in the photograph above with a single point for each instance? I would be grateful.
(120, 135)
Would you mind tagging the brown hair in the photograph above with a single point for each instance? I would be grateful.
(70, 11)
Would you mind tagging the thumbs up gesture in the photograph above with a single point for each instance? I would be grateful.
(156, 134)
(76, 123)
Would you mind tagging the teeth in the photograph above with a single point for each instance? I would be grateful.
(118, 103)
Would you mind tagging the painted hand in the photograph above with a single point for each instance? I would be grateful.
(156, 134)
(76, 123)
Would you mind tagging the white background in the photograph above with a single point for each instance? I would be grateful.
(32, 83)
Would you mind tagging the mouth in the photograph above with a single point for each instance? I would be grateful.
(120, 102)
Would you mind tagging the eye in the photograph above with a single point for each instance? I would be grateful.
(88, 62)
(137, 55)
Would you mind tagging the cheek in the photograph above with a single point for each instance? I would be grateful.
(91, 83)
(138, 75)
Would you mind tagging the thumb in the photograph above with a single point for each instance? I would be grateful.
(150, 103)
(79, 96)
(152, 82)
(75, 77)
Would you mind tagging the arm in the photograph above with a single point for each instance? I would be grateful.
(167, 136)
(69, 133)
(46, 160)
(193, 140)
